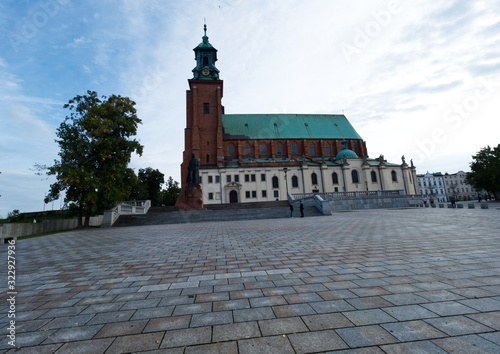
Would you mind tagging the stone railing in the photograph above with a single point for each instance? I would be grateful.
(350, 195)
(322, 205)
(339, 201)
(134, 207)
(125, 208)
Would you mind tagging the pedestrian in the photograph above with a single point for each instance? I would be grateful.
(424, 199)
(301, 209)
(479, 198)
(452, 201)
(432, 201)
(291, 210)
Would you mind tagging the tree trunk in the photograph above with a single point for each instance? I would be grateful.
(79, 220)
(87, 220)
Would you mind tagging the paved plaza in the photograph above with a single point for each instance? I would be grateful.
(376, 281)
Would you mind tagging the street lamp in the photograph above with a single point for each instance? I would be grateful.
(286, 182)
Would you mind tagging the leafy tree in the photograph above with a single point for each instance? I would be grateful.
(150, 182)
(171, 192)
(14, 216)
(486, 170)
(95, 149)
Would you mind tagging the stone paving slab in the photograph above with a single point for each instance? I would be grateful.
(374, 281)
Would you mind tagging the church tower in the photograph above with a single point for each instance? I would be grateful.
(203, 133)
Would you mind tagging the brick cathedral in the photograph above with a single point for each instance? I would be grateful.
(263, 157)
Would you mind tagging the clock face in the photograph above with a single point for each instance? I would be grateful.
(205, 72)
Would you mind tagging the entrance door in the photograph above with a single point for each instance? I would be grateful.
(233, 196)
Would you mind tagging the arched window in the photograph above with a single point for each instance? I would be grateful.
(279, 149)
(248, 149)
(295, 148)
(328, 149)
(355, 176)
(205, 61)
(263, 149)
(335, 178)
(295, 182)
(394, 176)
(275, 182)
(374, 177)
(313, 149)
(314, 178)
(230, 150)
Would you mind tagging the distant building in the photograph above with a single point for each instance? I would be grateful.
(457, 186)
(432, 185)
(264, 157)
(441, 187)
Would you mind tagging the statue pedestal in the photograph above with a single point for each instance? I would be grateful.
(190, 197)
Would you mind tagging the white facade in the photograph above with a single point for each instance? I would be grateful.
(268, 183)
(441, 186)
(456, 185)
(432, 185)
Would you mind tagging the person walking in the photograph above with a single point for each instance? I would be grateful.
(291, 210)
(452, 201)
(301, 209)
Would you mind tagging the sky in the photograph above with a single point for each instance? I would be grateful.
(417, 78)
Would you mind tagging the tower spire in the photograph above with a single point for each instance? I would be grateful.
(205, 56)
(205, 37)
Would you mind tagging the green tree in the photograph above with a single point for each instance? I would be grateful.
(150, 182)
(486, 170)
(96, 145)
(14, 216)
(171, 192)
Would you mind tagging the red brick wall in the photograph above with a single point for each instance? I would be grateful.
(303, 146)
(203, 132)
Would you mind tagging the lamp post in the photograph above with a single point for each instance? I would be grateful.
(220, 181)
(286, 182)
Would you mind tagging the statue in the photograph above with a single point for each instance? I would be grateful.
(403, 159)
(190, 196)
(193, 176)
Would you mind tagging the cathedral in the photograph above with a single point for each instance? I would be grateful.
(265, 157)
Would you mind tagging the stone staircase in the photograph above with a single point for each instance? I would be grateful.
(215, 212)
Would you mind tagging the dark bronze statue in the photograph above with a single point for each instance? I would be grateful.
(193, 176)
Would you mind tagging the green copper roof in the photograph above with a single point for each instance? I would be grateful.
(205, 44)
(288, 126)
(348, 154)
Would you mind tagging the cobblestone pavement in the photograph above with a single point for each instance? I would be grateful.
(376, 281)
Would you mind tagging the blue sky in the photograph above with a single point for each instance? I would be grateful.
(415, 78)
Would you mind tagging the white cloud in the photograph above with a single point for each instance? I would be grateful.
(78, 42)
